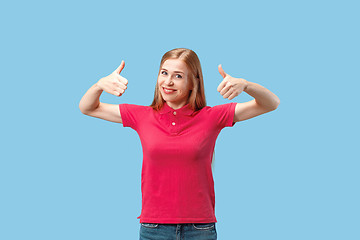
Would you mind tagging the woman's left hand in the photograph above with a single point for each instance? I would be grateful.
(231, 87)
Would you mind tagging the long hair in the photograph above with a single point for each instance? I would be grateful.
(197, 95)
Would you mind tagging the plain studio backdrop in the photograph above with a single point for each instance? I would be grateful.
(289, 174)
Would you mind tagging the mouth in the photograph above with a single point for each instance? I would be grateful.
(168, 90)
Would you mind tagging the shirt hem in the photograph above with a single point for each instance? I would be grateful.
(177, 220)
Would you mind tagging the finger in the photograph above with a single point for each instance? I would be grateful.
(228, 93)
(221, 71)
(234, 94)
(121, 67)
(116, 93)
(123, 80)
(226, 88)
(119, 90)
(221, 85)
(120, 85)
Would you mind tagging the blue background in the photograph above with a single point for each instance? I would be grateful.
(289, 174)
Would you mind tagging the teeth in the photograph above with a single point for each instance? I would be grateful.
(168, 90)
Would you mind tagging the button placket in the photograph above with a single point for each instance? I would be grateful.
(174, 118)
(174, 122)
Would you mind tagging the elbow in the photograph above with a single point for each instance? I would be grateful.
(82, 110)
(275, 104)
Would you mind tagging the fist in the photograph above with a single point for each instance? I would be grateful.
(114, 83)
(230, 87)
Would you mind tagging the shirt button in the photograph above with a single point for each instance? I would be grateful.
(173, 123)
(174, 113)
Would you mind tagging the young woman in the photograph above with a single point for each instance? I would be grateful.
(178, 134)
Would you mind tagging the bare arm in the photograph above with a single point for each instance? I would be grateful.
(265, 101)
(113, 84)
(90, 101)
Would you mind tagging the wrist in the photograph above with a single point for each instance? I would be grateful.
(246, 85)
(97, 86)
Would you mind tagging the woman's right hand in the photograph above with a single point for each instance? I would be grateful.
(114, 83)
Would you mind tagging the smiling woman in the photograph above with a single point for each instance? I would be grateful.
(180, 70)
(178, 134)
(174, 85)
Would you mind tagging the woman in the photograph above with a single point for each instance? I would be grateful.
(178, 133)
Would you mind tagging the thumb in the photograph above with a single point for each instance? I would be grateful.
(221, 71)
(121, 67)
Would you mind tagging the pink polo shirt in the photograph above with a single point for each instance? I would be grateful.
(176, 180)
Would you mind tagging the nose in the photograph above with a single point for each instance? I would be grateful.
(168, 81)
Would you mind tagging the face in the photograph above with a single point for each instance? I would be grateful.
(173, 83)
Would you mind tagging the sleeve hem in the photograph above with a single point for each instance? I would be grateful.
(123, 116)
(231, 122)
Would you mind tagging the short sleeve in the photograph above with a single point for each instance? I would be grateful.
(131, 114)
(224, 114)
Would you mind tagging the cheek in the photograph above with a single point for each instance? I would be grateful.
(161, 79)
(158, 82)
(187, 86)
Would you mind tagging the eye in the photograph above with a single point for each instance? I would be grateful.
(163, 72)
(178, 75)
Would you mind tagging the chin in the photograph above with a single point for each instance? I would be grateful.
(167, 98)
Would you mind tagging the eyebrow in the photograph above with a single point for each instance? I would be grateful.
(174, 71)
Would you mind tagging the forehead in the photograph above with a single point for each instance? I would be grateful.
(175, 65)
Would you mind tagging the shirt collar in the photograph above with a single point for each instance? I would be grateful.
(184, 110)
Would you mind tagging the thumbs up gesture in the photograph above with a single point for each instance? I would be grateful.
(114, 83)
(230, 87)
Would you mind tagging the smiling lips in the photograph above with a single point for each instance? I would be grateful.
(168, 90)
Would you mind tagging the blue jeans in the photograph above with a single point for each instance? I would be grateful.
(186, 231)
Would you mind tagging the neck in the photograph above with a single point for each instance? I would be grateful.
(176, 106)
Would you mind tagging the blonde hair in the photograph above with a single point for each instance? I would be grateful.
(197, 95)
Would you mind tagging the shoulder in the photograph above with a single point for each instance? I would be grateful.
(132, 114)
(221, 115)
(220, 108)
(138, 111)
(134, 107)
